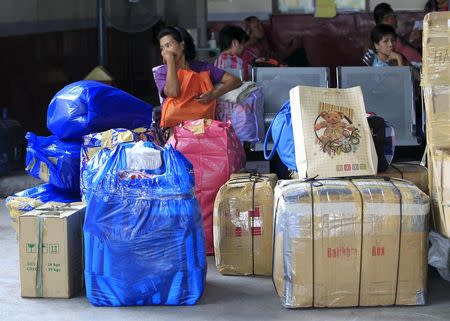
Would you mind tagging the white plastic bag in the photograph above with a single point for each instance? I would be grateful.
(439, 254)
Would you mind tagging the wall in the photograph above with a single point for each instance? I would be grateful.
(47, 44)
(401, 4)
(36, 16)
(239, 9)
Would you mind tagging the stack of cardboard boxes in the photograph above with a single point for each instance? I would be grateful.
(436, 86)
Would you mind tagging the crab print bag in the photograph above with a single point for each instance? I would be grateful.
(332, 137)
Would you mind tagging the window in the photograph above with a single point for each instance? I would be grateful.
(350, 5)
(301, 6)
(308, 6)
(238, 9)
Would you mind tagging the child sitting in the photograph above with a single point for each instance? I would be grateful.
(232, 40)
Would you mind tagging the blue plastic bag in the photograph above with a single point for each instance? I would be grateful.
(281, 131)
(88, 106)
(54, 161)
(109, 139)
(143, 233)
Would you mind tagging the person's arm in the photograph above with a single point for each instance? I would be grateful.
(396, 57)
(172, 85)
(284, 52)
(415, 39)
(228, 81)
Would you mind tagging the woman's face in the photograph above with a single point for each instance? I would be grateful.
(168, 44)
(256, 29)
(386, 45)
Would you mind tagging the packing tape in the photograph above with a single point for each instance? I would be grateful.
(39, 272)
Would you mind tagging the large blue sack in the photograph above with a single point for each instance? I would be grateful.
(54, 161)
(282, 136)
(143, 234)
(88, 106)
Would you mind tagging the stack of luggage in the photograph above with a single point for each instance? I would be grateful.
(435, 84)
(350, 229)
(436, 88)
(341, 234)
(78, 109)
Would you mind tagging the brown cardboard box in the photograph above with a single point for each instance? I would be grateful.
(436, 85)
(243, 225)
(437, 105)
(436, 49)
(342, 243)
(50, 246)
(436, 78)
(415, 173)
(100, 74)
(439, 180)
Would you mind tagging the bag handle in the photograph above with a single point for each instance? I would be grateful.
(269, 131)
(266, 141)
(39, 152)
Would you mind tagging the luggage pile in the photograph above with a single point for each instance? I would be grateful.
(78, 109)
(141, 214)
(350, 228)
(342, 235)
(435, 84)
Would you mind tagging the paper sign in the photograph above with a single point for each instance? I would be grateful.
(325, 9)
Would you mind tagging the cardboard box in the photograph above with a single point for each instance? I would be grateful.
(50, 247)
(436, 49)
(439, 181)
(344, 243)
(437, 106)
(243, 225)
(415, 173)
(100, 74)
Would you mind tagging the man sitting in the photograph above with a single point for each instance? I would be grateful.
(260, 45)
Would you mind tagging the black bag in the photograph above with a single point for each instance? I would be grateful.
(12, 145)
(378, 130)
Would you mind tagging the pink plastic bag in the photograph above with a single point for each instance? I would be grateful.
(215, 152)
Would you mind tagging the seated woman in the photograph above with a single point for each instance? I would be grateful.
(178, 53)
(383, 39)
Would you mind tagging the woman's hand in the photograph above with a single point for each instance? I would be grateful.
(396, 57)
(206, 97)
(168, 57)
(172, 86)
(415, 36)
